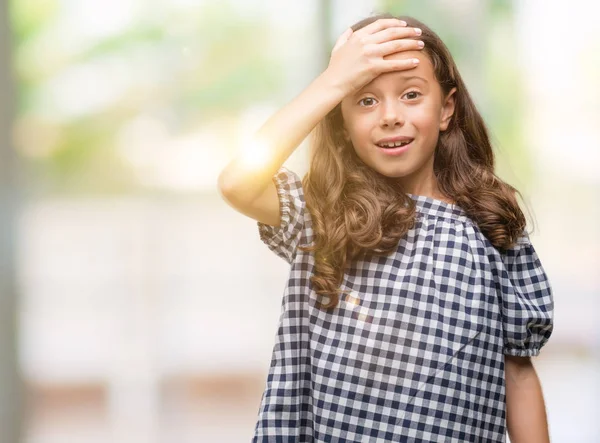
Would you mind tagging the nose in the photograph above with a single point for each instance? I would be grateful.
(391, 115)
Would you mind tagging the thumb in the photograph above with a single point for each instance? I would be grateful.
(342, 39)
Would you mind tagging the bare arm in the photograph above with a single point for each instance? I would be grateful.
(525, 409)
(248, 176)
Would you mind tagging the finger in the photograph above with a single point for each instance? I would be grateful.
(394, 46)
(378, 25)
(394, 33)
(397, 65)
(342, 39)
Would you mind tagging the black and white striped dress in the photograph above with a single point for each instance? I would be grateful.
(415, 353)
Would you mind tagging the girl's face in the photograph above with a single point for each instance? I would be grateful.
(405, 106)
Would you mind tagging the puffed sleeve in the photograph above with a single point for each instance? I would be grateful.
(527, 302)
(284, 239)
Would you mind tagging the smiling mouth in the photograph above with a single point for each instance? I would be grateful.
(394, 145)
(396, 149)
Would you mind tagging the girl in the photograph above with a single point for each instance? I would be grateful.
(415, 298)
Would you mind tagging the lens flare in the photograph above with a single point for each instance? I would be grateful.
(254, 154)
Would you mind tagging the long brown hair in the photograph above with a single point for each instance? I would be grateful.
(357, 212)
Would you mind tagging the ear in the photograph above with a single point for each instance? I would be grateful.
(447, 109)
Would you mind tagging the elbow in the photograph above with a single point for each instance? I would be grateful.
(226, 185)
(232, 192)
(225, 188)
(222, 185)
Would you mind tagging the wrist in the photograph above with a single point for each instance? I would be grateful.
(333, 83)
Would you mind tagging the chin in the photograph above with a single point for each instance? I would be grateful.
(392, 173)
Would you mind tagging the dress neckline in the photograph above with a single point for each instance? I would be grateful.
(440, 208)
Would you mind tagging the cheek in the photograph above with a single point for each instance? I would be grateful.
(361, 128)
(425, 118)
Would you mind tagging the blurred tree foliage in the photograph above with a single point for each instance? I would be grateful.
(188, 66)
(485, 48)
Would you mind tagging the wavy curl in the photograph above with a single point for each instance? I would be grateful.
(357, 212)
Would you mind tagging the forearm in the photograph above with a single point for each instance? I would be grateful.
(526, 413)
(262, 155)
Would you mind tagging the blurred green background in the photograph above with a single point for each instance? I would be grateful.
(94, 81)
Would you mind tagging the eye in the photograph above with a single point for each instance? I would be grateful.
(372, 101)
(413, 95)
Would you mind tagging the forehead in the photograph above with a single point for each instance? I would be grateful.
(424, 70)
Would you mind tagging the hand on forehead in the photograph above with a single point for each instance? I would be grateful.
(424, 70)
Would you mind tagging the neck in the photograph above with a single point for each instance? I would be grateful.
(421, 182)
(424, 183)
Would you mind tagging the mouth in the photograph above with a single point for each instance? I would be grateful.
(395, 148)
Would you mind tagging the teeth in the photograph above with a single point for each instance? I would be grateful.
(394, 144)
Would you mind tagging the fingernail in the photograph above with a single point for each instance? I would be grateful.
(415, 61)
(418, 31)
(403, 23)
(420, 44)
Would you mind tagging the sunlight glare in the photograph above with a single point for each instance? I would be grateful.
(255, 154)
